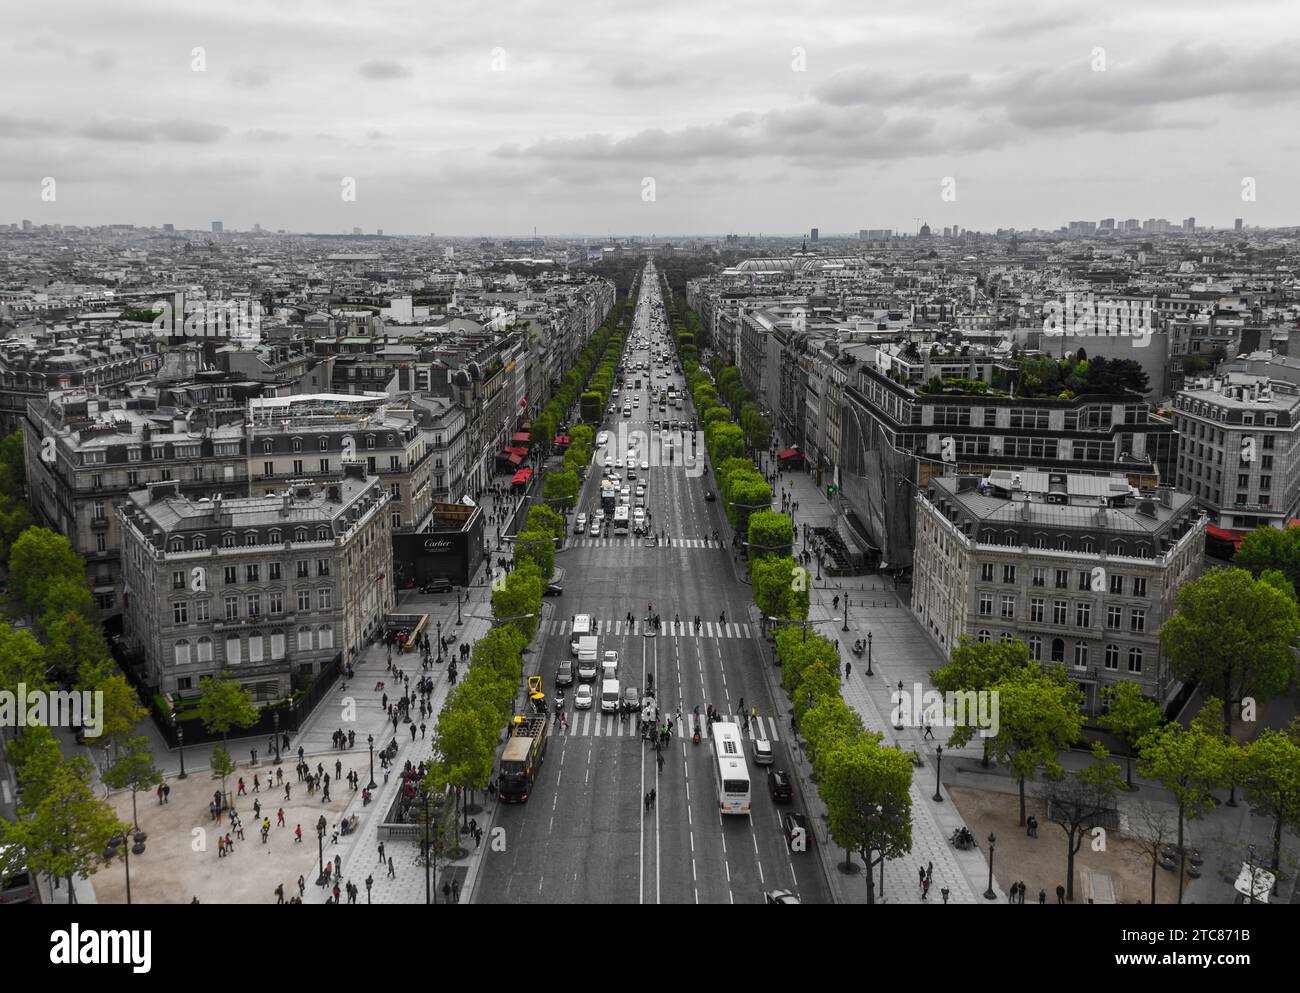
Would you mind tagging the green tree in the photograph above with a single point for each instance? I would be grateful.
(520, 599)
(745, 497)
(817, 682)
(537, 547)
(543, 518)
(75, 650)
(1234, 635)
(66, 833)
(225, 704)
(38, 559)
(1270, 548)
(1130, 717)
(561, 489)
(724, 441)
(867, 793)
(975, 666)
(22, 660)
(121, 709)
(1272, 781)
(770, 533)
(466, 739)
(133, 769)
(1189, 763)
(780, 587)
(1038, 716)
(828, 724)
(13, 464)
(34, 756)
(593, 407)
(1079, 801)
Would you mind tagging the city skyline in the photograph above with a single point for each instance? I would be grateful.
(521, 117)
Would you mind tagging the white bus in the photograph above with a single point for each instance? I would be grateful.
(730, 773)
(621, 519)
(583, 626)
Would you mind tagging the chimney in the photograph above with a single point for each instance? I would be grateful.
(286, 503)
(1166, 495)
(216, 509)
(334, 494)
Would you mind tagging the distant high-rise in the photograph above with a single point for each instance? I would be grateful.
(875, 234)
(356, 230)
(1236, 225)
(380, 232)
(257, 229)
(169, 228)
(1107, 224)
(218, 227)
(1189, 224)
(1132, 224)
(814, 234)
(27, 225)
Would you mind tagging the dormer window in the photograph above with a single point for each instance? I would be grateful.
(297, 444)
(267, 446)
(273, 536)
(324, 444)
(300, 534)
(250, 537)
(228, 540)
(178, 544)
(322, 534)
(370, 441)
(200, 542)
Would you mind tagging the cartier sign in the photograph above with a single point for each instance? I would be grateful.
(433, 543)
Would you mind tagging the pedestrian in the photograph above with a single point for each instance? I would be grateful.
(1013, 892)
(660, 758)
(286, 791)
(455, 891)
(335, 891)
(279, 776)
(297, 834)
(279, 818)
(392, 874)
(1060, 895)
(230, 843)
(446, 892)
(413, 730)
(257, 809)
(1042, 897)
(925, 889)
(944, 893)
(929, 731)
(167, 793)
(338, 769)
(381, 851)
(921, 875)
(241, 791)
(279, 894)
(423, 727)
(929, 870)
(160, 794)
(478, 837)
(257, 784)
(221, 846)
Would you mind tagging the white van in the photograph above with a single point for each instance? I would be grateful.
(609, 696)
(583, 626)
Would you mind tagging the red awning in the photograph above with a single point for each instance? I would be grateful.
(522, 476)
(521, 438)
(561, 439)
(1226, 534)
(516, 458)
(517, 450)
(791, 453)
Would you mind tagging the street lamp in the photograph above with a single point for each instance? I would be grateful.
(938, 773)
(458, 604)
(988, 893)
(275, 723)
(180, 741)
(846, 613)
(898, 712)
(428, 845)
(322, 879)
(370, 740)
(869, 672)
(440, 641)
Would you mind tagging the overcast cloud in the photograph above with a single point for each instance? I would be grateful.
(462, 118)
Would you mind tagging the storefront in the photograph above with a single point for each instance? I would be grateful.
(450, 548)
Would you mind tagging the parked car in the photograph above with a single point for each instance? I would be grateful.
(564, 673)
(779, 785)
(710, 496)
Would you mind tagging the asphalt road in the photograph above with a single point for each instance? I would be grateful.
(584, 835)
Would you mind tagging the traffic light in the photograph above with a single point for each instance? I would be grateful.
(830, 491)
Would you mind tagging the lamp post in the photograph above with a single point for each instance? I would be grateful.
(869, 672)
(898, 712)
(275, 723)
(428, 846)
(846, 613)
(180, 741)
(322, 879)
(458, 604)
(1252, 877)
(988, 893)
(370, 740)
(938, 773)
(439, 641)
(126, 854)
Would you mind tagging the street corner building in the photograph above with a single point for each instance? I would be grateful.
(259, 589)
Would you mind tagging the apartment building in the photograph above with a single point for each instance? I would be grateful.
(1239, 449)
(267, 590)
(1083, 569)
(85, 454)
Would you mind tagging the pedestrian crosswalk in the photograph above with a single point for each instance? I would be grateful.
(634, 541)
(637, 628)
(593, 724)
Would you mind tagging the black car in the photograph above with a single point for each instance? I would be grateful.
(440, 585)
(553, 589)
(798, 838)
(564, 673)
(709, 496)
(778, 784)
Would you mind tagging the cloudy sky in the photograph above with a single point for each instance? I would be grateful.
(707, 116)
